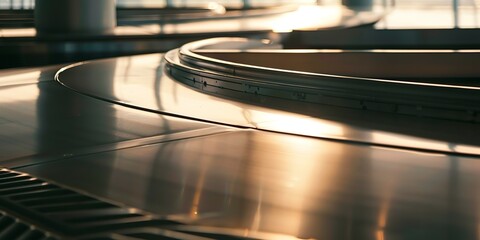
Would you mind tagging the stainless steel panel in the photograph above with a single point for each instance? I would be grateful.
(255, 181)
(44, 121)
(373, 77)
(141, 81)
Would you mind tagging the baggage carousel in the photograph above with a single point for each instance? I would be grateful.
(267, 128)
(209, 141)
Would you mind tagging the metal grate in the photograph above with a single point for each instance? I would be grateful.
(54, 212)
(167, 234)
(12, 228)
(64, 211)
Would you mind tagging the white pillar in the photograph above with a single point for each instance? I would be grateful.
(75, 17)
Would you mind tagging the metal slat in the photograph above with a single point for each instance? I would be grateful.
(14, 178)
(41, 186)
(74, 198)
(5, 221)
(118, 223)
(69, 213)
(13, 231)
(31, 234)
(5, 174)
(19, 183)
(47, 193)
(90, 219)
(13, 228)
(72, 207)
(89, 214)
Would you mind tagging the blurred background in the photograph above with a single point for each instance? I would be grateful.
(148, 26)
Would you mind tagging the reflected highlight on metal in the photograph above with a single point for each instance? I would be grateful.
(236, 138)
(127, 132)
(266, 182)
(147, 86)
(294, 86)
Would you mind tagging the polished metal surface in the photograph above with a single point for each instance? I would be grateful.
(19, 76)
(142, 82)
(378, 80)
(252, 181)
(40, 120)
(124, 131)
(132, 134)
(440, 70)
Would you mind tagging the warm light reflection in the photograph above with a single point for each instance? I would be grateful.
(216, 8)
(309, 17)
(138, 86)
(202, 3)
(304, 126)
(415, 17)
(431, 154)
(388, 188)
(18, 32)
(199, 188)
(199, 105)
(380, 235)
(130, 30)
(16, 78)
(465, 149)
(141, 82)
(19, 94)
(478, 230)
(395, 139)
(130, 85)
(306, 17)
(421, 143)
(282, 186)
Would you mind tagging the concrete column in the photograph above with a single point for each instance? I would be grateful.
(75, 17)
